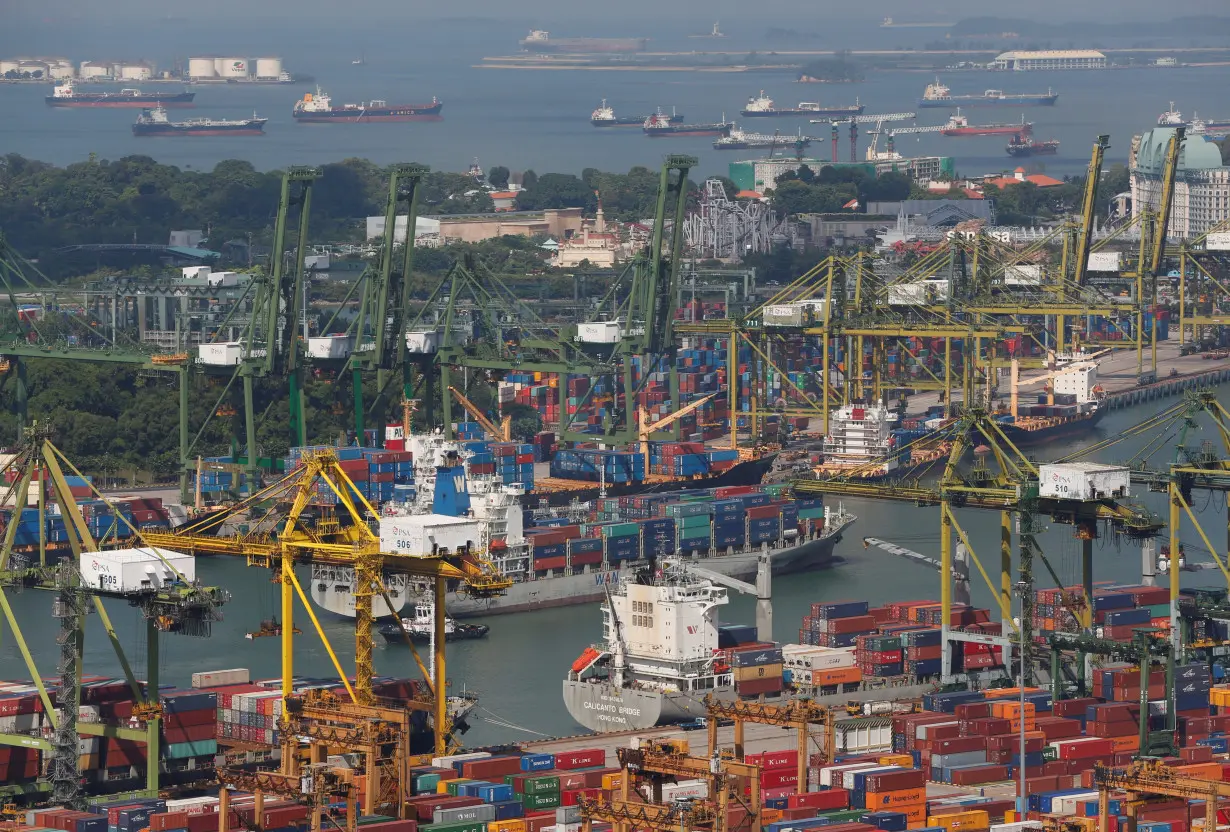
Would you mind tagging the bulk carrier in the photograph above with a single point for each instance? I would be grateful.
(958, 125)
(66, 95)
(562, 558)
(937, 95)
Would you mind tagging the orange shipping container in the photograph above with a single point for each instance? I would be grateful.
(914, 815)
(1202, 771)
(903, 760)
(976, 819)
(1130, 743)
(766, 816)
(840, 676)
(510, 825)
(611, 782)
(892, 801)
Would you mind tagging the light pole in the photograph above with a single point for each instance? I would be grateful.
(1026, 627)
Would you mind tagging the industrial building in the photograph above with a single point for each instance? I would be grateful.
(1202, 182)
(561, 223)
(1022, 61)
(762, 174)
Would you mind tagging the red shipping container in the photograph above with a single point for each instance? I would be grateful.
(1085, 749)
(981, 774)
(776, 778)
(774, 759)
(168, 820)
(892, 781)
(491, 767)
(858, 624)
(829, 800)
(543, 564)
(958, 745)
(538, 821)
(425, 808)
(582, 758)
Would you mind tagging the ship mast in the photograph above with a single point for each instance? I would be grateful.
(618, 665)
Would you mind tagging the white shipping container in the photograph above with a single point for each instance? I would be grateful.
(685, 790)
(832, 775)
(422, 343)
(600, 332)
(131, 570)
(424, 533)
(1104, 261)
(214, 678)
(195, 272)
(224, 280)
(1217, 241)
(847, 777)
(20, 723)
(225, 354)
(447, 762)
(1020, 826)
(858, 736)
(1083, 481)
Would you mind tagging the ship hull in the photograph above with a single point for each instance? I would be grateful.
(568, 590)
(750, 472)
(585, 45)
(1036, 150)
(168, 102)
(1023, 438)
(998, 130)
(983, 101)
(139, 130)
(354, 116)
(629, 121)
(687, 130)
(604, 709)
(835, 112)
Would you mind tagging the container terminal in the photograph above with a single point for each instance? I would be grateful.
(1086, 706)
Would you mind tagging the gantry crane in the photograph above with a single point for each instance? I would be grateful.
(1149, 778)
(1010, 487)
(503, 433)
(799, 714)
(625, 816)
(180, 607)
(646, 428)
(344, 540)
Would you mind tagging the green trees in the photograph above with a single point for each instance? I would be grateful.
(497, 177)
(555, 190)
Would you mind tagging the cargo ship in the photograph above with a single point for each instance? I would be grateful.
(958, 125)
(1071, 407)
(604, 116)
(1026, 146)
(663, 651)
(866, 442)
(66, 95)
(319, 108)
(1174, 118)
(569, 556)
(742, 140)
(761, 106)
(937, 95)
(540, 40)
(154, 122)
(660, 124)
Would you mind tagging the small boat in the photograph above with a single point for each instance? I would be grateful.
(419, 627)
(359, 61)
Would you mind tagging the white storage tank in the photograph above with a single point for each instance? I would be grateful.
(201, 67)
(61, 70)
(268, 68)
(231, 67)
(33, 68)
(135, 72)
(8, 65)
(130, 570)
(95, 69)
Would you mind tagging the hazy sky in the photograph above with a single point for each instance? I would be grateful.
(809, 11)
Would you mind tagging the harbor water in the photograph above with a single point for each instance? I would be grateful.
(518, 668)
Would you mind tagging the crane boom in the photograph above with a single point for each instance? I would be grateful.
(1087, 208)
(1169, 174)
(503, 433)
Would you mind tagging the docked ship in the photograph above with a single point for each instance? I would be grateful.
(937, 95)
(420, 627)
(318, 107)
(1070, 407)
(761, 106)
(1026, 146)
(660, 124)
(66, 95)
(540, 40)
(958, 125)
(604, 116)
(453, 507)
(742, 140)
(155, 122)
(866, 442)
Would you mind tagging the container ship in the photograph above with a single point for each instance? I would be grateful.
(1071, 407)
(570, 556)
(742, 140)
(319, 108)
(604, 116)
(154, 122)
(66, 95)
(660, 124)
(761, 106)
(1026, 146)
(867, 442)
(958, 125)
(539, 40)
(937, 95)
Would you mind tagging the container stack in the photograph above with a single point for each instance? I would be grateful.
(758, 670)
(821, 671)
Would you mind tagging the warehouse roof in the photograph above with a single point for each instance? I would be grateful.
(1049, 54)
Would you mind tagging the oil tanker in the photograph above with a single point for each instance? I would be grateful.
(604, 116)
(761, 106)
(319, 108)
(958, 125)
(540, 40)
(154, 122)
(66, 95)
(660, 124)
(937, 95)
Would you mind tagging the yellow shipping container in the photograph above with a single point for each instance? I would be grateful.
(611, 782)
(1220, 695)
(976, 819)
(510, 825)
(903, 760)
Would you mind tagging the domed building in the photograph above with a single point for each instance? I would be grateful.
(1202, 182)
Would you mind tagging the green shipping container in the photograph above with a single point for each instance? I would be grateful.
(882, 643)
(1158, 610)
(184, 750)
(844, 815)
(621, 530)
(454, 785)
(367, 820)
(547, 784)
(689, 511)
(546, 800)
(454, 827)
(426, 783)
(816, 513)
(700, 522)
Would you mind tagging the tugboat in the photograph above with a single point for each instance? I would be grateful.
(604, 116)
(154, 122)
(1026, 146)
(659, 124)
(66, 95)
(319, 107)
(761, 106)
(419, 627)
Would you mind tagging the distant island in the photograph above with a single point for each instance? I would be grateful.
(834, 70)
(1193, 26)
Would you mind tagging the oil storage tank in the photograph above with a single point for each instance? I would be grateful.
(135, 72)
(268, 69)
(95, 69)
(232, 68)
(8, 65)
(60, 69)
(202, 67)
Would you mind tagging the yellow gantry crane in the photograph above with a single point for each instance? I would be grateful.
(799, 714)
(645, 428)
(346, 540)
(1149, 778)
